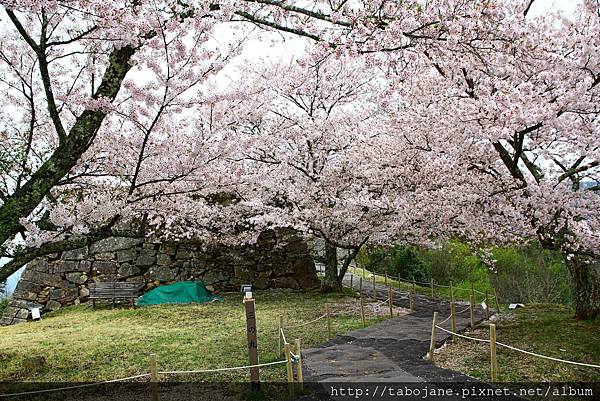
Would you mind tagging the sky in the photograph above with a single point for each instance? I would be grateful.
(285, 49)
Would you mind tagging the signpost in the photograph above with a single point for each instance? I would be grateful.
(252, 338)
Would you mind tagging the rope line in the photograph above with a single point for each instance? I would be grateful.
(183, 372)
(589, 365)
(74, 387)
(464, 310)
(463, 336)
(547, 357)
(434, 284)
(445, 320)
(283, 336)
(305, 323)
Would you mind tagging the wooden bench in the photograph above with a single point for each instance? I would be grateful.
(114, 291)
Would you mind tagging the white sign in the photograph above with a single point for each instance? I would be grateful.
(35, 314)
(484, 305)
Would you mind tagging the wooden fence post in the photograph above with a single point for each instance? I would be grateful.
(451, 292)
(432, 343)
(279, 338)
(453, 319)
(390, 302)
(472, 306)
(411, 301)
(413, 286)
(328, 321)
(496, 299)
(494, 361)
(299, 376)
(431, 284)
(399, 281)
(362, 304)
(153, 378)
(290, 371)
(374, 289)
(351, 283)
(252, 338)
(386, 279)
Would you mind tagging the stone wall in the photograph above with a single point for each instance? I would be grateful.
(278, 260)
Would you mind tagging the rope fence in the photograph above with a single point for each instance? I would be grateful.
(151, 374)
(432, 283)
(190, 372)
(293, 354)
(307, 323)
(493, 346)
(86, 385)
(452, 317)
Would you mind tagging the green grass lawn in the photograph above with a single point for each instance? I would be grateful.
(81, 344)
(549, 330)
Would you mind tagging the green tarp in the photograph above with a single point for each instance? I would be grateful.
(183, 292)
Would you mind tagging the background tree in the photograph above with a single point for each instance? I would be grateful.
(518, 97)
(64, 67)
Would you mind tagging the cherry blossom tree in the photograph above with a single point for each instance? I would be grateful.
(318, 150)
(518, 98)
(406, 121)
(80, 76)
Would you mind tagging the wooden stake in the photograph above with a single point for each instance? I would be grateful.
(362, 305)
(493, 360)
(411, 301)
(328, 321)
(413, 286)
(386, 278)
(252, 337)
(374, 289)
(431, 283)
(351, 283)
(451, 293)
(290, 370)
(472, 307)
(390, 302)
(279, 338)
(453, 319)
(398, 281)
(432, 343)
(299, 376)
(153, 378)
(496, 299)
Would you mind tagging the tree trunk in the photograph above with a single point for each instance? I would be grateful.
(585, 273)
(349, 258)
(331, 282)
(26, 198)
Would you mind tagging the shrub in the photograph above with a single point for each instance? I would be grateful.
(394, 260)
(527, 274)
(3, 304)
(531, 275)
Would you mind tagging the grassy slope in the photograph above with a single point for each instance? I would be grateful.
(544, 329)
(81, 344)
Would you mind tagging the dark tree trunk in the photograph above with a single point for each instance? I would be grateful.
(331, 282)
(585, 274)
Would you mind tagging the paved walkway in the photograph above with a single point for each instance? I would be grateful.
(392, 351)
